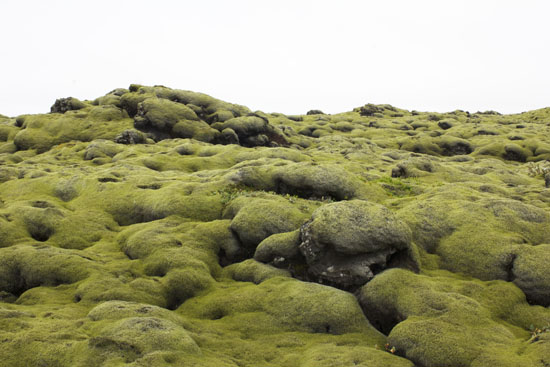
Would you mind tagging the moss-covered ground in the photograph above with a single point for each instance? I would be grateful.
(160, 227)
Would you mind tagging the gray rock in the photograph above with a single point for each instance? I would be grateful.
(346, 243)
(131, 137)
(63, 105)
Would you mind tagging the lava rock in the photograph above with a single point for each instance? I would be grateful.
(369, 110)
(229, 136)
(254, 131)
(63, 105)
(315, 112)
(131, 137)
(346, 243)
(445, 125)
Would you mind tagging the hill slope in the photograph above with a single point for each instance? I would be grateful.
(158, 227)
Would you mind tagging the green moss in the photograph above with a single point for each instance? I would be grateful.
(451, 146)
(424, 145)
(246, 126)
(63, 105)
(253, 271)
(316, 181)
(331, 355)
(260, 219)
(162, 114)
(205, 102)
(10, 232)
(101, 149)
(429, 317)
(514, 152)
(23, 267)
(288, 304)
(184, 283)
(396, 187)
(195, 129)
(128, 208)
(141, 240)
(529, 273)
(130, 101)
(7, 131)
(356, 226)
(280, 246)
(42, 132)
(119, 286)
(133, 338)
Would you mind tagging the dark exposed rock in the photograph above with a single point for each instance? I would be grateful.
(63, 105)
(131, 137)
(398, 172)
(345, 244)
(516, 153)
(315, 112)
(516, 137)
(414, 167)
(229, 136)
(486, 132)
(295, 118)
(19, 121)
(445, 125)
(455, 147)
(254, 131)
(368, 110)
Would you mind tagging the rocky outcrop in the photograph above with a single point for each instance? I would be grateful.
(63, 105)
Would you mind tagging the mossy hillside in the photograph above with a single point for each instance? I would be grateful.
(103, 235)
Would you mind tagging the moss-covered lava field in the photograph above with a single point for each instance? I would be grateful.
(161, 227)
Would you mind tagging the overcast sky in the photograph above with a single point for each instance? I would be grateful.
(281, 56)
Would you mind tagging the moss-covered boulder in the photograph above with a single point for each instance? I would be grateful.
(23, 267)
(254, 131)
(41, 132)
(131, 339)
(131, 136)
(280, 249)
(457, 322)
(316, 181)
(528, 272)
(346, 243)
(63, 105)
(117, 310)
(262, 218)
(253, 271)
(289, 304)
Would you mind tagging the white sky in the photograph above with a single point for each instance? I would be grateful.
(281, 56)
